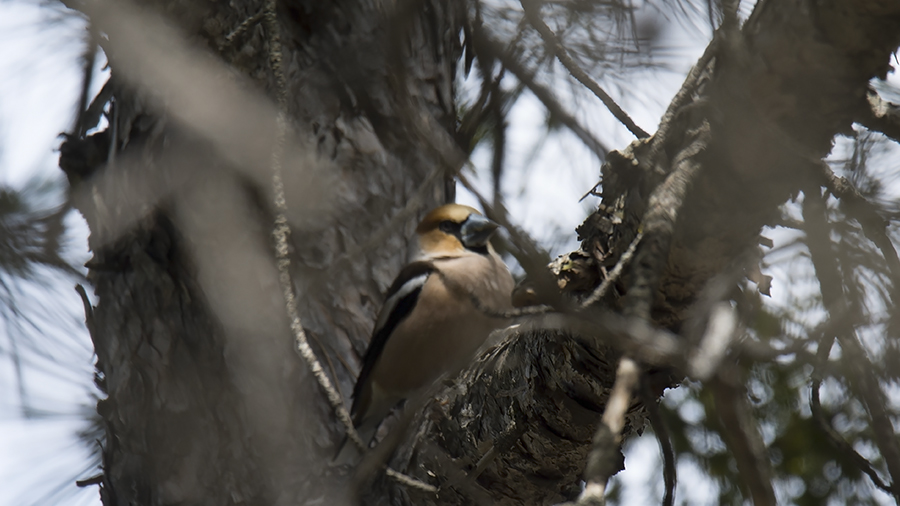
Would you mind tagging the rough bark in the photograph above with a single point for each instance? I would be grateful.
(206, 401)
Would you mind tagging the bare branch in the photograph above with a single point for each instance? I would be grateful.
(839, 442)
(488, 45)
(533, 13)
(670, 479)
(243, 27)
(532, 257)
(873, 224)
(658, 228)
(282, 252)
(282, 230)
(631, 336)
(614, 274)
(680, 100)
(862, 378)
(744, 440)
(719, 334)
(410, 482)
(603, 459)
(88, 59)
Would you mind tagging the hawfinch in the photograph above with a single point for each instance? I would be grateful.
(429, 324)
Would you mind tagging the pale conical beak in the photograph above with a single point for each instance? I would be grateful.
(477, 230)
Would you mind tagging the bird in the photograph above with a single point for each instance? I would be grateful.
(439, 310)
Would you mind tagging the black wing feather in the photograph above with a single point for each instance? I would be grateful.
(400, 311)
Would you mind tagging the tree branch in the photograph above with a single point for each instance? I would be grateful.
(873, 224)
(603, 459)
(661, 430)
(862, 379)
(744, 440)
(488, 45)
(533, 13)
(659, 225)
(838, 441)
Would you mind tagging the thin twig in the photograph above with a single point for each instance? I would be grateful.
(92, 114)
(88, 307)
(839, 442)
(665, 441)
(114, 135)
(89, 60)
(87, 482)
(547, 97)
(282, 251)
(533, 13)
(658, 228)
(243, 27)
(531, 257)
(862, 379)
(282, 230)
(499, 143)
(410, 482)
(873, 224)
(826, 342)
(601, 290)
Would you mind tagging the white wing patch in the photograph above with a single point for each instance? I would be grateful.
(390, 304)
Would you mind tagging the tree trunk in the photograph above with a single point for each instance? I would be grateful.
(207, 403)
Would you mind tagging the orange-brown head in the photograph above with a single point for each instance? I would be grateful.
(452, 229)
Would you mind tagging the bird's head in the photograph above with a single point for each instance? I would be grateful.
(453, 229)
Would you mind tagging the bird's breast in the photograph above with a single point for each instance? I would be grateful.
(440, 336)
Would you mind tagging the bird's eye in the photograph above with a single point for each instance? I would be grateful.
(448, 226)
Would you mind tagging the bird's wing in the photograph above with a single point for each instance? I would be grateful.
(400, 301)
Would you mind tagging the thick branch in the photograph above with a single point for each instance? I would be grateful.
(659, 225)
